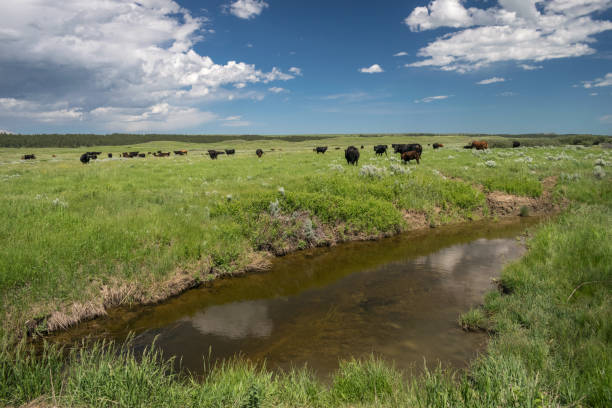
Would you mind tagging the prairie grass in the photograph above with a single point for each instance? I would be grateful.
(68, 230)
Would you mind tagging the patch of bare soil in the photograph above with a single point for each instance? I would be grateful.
(416, 219)
(504, 204)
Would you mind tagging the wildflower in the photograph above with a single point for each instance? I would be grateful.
(281, 190)
(599, 172)
(490, 163)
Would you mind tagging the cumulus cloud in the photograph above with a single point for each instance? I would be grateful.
(277, 89)
(432, 98)
(119, 65)
(400, 54)
(296, 71)
(513, 30)
(599, 82)
(374, 69)
(606, 119)
(247, 9)
(491, 81)
(528, 67)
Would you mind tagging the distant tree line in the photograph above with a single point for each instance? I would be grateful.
(120, 139)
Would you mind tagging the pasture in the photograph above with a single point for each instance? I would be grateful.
(75, 239)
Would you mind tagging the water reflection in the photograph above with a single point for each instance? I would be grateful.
(398, 298)
(235, 320)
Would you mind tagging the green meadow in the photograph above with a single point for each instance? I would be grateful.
(116, 231)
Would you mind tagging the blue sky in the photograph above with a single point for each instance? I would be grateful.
(252, 66)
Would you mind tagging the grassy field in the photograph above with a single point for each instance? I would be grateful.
(76, 239)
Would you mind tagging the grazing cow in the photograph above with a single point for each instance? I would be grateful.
(380, 150)
(84, 158)
(142, 155)
(271, 150)
(28, 157)
(516, 144)
(336, 148)
(180, 152)
(437, 145)
(110, 155)
(259, 152)
(411, 155)
(401, 148)
(480, 145)
(230, 151)
(362, 146)
(320, 149)
(132, 154)
(161, 154)
(469, 146)
(352, 155)
(214, 153)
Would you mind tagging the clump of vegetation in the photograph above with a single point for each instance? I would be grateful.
(599, 172)
(490, 163)
(369, 170)
(524, 211)
(474, 319)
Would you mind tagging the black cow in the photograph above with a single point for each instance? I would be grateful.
(380, 149)
(84, 158)
(401, 148)
(110, 155)
(362, 146)
(142, 155)
(180, 152)
(259, 152)
(28, 157)
(437, 145)
(320, 149)
(352, 155)
(411, 155)
(516, 144)
(214, 153)
(230, 151)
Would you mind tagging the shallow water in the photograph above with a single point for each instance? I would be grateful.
(398, 298)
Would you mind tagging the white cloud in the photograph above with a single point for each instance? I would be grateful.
(247, 9)
(491, 81)
(508, 93)
(599, 82)
(606, 119)
(112, 60)
(296, 71)
(232, 118)
(593, 94)
(277, 89)
(528, 67)
(5, 132)
(400, 54)
(432, 98)
(514, 30)
(374, 69)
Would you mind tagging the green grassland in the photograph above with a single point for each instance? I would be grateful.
(69, 232)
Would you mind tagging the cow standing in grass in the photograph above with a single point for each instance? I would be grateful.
(411, 155)
(516, 144)
(320, 149)
(28, 157)
(351, 154)
(401, 148)
(380, 150)
(480, 144)
(230, 151)
(259, 153)
(437, 145)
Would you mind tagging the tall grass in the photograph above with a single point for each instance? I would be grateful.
(552, 347)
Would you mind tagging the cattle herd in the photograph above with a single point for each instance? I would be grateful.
(407, 152)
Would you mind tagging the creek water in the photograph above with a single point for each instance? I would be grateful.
(398, 298)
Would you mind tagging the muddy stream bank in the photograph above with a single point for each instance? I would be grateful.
(398, 298)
